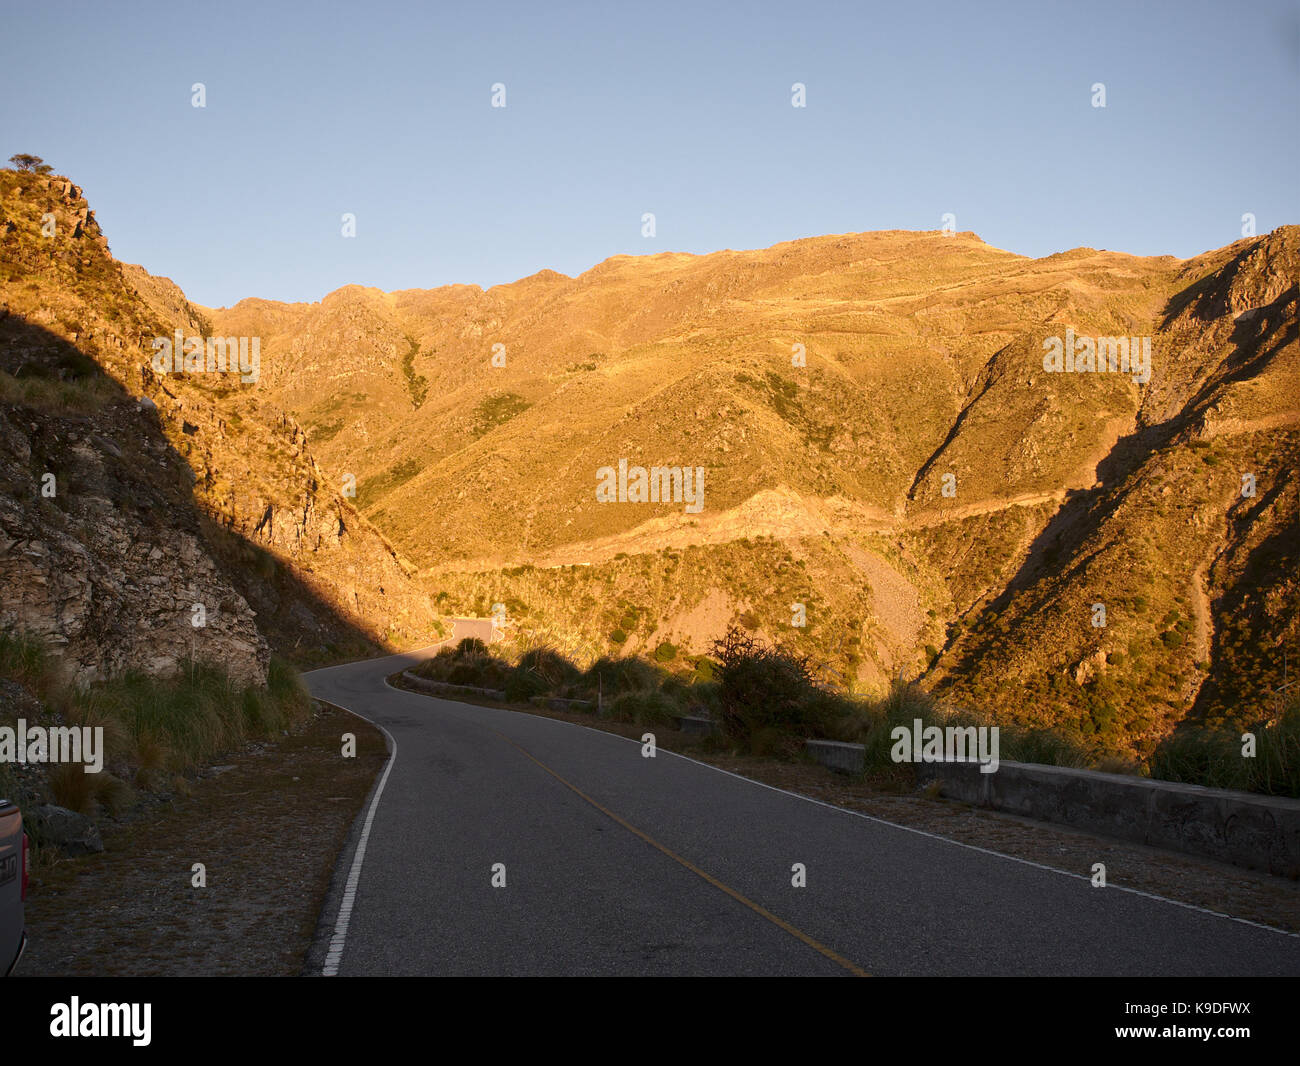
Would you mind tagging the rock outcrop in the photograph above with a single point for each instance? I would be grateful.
(148, 518)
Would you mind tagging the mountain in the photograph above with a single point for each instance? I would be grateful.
(892, 448)
(167, 490)
(825, 482)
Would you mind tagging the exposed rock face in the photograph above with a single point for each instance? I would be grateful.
(168, 490)
(101, 555)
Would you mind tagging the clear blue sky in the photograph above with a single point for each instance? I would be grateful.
(613, 109)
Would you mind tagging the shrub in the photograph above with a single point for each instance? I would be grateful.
(1049, 747)
(1207, 757)
(552, 667)
(766, 687)
(703, 699)
(468, 663)
(466, 672)
(522, 685)
(616, 676)
(649, 708)
(704, 669)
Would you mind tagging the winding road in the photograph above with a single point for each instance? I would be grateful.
(614, 863)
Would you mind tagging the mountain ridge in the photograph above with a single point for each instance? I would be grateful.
(883, 444)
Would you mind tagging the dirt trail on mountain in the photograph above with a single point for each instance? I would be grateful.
(1238, 426)
(944, 515)
(1204, 629)
(785, 515)
(777, 513)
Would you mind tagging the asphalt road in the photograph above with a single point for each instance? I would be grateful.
(619, 864)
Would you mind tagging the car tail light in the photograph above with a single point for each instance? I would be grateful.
(24, 895)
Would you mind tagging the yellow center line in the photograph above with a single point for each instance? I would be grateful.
(798, 934)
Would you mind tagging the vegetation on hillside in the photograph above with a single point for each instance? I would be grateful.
(496, 410)
(416, 384)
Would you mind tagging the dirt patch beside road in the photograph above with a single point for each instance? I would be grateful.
(268, 830)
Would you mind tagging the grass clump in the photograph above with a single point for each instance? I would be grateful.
(615, 676)
(647, 707)
(1217, 756)
(166, 725)
(183, 721)
(26, 659)
(467, 663)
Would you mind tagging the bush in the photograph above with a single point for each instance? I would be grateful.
(1048, 747)
(703, 699)
(522, 685)
(704, 669)
(540, 672)
(467, 672)
(648, 708)
(761, 687)
(1204, 757)
(613, 677)
(666, 652)
(468, 663)
(470, 647)
(551, 666)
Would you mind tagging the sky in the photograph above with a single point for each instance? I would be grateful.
(384, 111)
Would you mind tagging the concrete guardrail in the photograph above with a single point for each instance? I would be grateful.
(446, 688)
(1242, 828)
(846, 758)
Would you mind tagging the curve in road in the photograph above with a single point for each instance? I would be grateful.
(614, 863)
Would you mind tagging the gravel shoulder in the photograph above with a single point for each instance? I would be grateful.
(268, 828)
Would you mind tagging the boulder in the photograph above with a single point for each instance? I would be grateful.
(74, 833)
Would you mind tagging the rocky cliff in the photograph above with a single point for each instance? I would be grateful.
(135, 503)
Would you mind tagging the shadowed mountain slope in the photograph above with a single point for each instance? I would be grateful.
(169, 490)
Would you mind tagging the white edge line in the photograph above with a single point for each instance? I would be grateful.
(885, 821)
(335, 954)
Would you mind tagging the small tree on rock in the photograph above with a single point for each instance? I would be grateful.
(31, 164)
